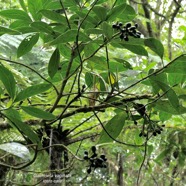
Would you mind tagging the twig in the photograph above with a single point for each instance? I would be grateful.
(68, 23)
(144, 157)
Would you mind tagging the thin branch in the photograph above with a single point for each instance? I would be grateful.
(144, 157)
(75, 140)
(33, 70)
(68, 23)
(171, 22)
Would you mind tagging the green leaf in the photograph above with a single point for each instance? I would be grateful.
(4, 30)
(95, 31)
(89, 79)
(27, 44)
(159, 81)
(8, 80)
(116, 11)
(15, 14)
(38, 113)
(54, 63)
(164, 116)
(137, 49)
(34, 6)
(165, 106)
(32, 90)
(155, 45)
(170, 93)
(23, 6)
(175, 79)
(22, 127)
(42, 27)
(101, 12)
(70, 36)
(113, 127)
(53, 16)
(162, 155)
(107, 30)
(178, 66)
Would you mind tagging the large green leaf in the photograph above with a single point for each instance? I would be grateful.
(15, 14)
(159, 81)
(4, 30)
(38, 113)
(137, 49)
(155, 45)
(123, 11)
(23, 5)
(34, 6)
(53, 16)
(70, 36)
(8, 80)
(178, 66)
(53, 64)
(101, 12)
(42, 27)
(32, 90)
(21, 126)
(166, 106)
(27, 44)
(113, 127)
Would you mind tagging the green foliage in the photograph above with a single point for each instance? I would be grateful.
(64, 61)
(8, 80)
(113, 127)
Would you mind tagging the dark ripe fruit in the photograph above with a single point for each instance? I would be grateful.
(158, 131)
(145, 135)
(121, 36)
(130, 33)
(136, 25)
(175, 154)
(89, 170)
(126, 38)
(84, 86)
(161, 129)
(120, 24)
(135, 122)
(128, 25)
(163, 125)
(86, 152)
(93, 149)
(85, 157)
(154, 134)
(123, 30)
(141, 134)
(132, 28)
(114, 26)
(103, 157)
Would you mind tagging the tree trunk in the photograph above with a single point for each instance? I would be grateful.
(120, 181)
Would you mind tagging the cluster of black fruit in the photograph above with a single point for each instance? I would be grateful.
(155, 130)
(94, 160)
(127, 30)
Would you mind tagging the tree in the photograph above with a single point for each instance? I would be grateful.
(91, 82)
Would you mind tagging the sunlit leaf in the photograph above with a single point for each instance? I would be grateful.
(17, 149)
(53, 64)
(8, 80)
(27, 44)
(38, 113)
(155, 45)
(15, 14)
(31, 91)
